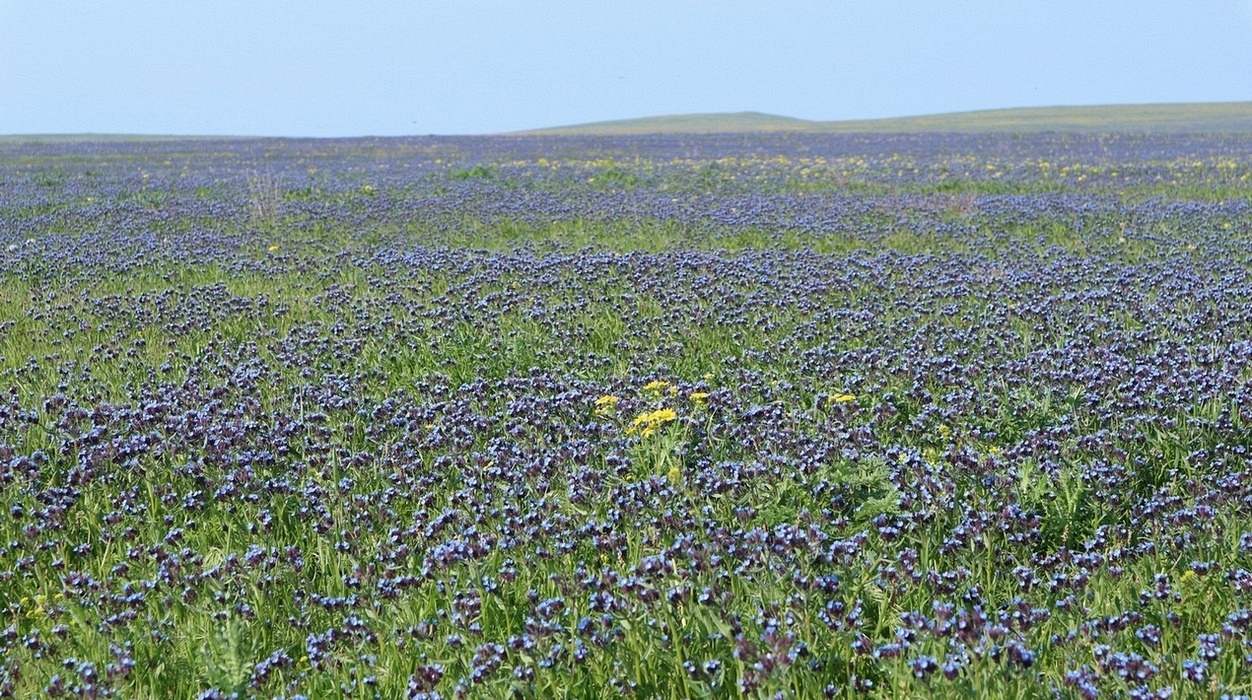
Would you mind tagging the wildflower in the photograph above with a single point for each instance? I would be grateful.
(675, 474)
(606, 405)
(843, 398)
(656, 386)
(700, 398)
(273, 248)
(647, 423)
(39, 609)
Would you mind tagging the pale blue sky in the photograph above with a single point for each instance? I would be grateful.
(383, 67)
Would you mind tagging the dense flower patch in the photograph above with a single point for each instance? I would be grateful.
(893, 416)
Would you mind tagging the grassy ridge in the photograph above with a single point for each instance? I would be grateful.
(1158, 118)
(1177, 118)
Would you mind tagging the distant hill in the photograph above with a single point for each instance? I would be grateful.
(1197, 117)
(687, 124)
(1177, 118)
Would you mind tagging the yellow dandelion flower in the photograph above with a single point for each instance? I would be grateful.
(699, 398)
(655, 386)
(606, 405)
(843, 398)
(273, 248)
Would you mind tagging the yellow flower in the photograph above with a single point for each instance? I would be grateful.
(647, 423)
(655, 386)
(606, 405)
(675, 475)
(699, 398)
(39, 610)
(273, 248)
(843, 398)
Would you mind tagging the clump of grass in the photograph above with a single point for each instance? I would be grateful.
(265, 197)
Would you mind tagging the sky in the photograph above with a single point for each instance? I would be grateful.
(384, 67)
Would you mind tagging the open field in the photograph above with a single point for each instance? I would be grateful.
(1216, 117)
(775, 415)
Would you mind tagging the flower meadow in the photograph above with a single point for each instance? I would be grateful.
(888, 416)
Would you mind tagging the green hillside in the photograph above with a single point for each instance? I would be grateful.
(1198, 117)
(1168, 118)
(687, 124)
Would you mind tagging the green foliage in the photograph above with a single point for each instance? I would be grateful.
(476, 172)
